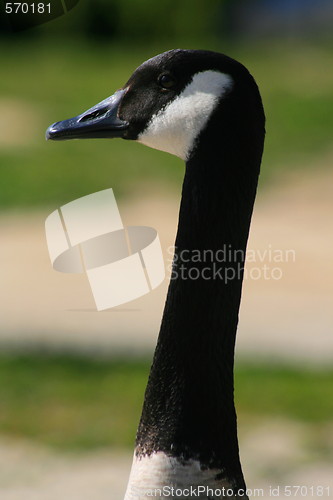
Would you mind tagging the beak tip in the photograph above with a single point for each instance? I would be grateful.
(51, 131)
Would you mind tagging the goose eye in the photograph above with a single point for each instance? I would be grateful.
(166, 81)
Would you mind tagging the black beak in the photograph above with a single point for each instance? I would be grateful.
(98, 122)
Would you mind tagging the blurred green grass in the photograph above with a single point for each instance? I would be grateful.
(76, 403)
(58, 79)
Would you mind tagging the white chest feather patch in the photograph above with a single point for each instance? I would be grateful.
(175, 128)
(158, 475)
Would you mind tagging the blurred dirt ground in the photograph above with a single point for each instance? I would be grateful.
(274, 455)
(286, 312)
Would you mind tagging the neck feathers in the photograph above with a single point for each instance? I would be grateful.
(188, 412)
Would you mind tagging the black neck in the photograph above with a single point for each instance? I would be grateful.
(189, 409)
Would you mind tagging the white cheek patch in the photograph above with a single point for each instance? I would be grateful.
(175, 128)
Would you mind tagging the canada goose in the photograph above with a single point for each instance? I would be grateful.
(205, 108)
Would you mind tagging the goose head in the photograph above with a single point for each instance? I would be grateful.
(166, 104)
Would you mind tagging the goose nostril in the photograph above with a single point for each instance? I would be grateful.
(94, 114)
